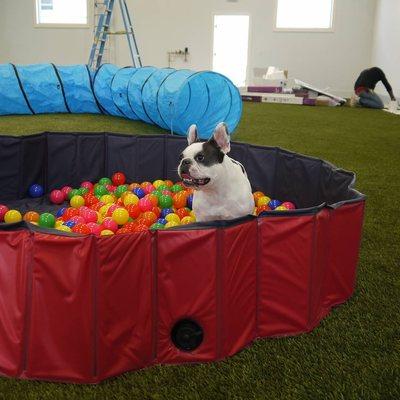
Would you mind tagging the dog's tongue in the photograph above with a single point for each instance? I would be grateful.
(186, 176)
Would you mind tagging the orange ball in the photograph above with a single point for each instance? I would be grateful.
(257, 195)
(144, 184)
(31, 216)
(182, 212)
(132, 186)
(149, 217)
(169, 182)
(179, 200)
(153, 198)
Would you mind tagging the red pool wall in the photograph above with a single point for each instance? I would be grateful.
(82, 309)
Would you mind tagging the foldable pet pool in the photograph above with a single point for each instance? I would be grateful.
(83, 308)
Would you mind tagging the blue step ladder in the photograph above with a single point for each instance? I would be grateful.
(103, 30)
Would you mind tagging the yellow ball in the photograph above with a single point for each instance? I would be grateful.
(158, 183)
(192, 214)
(120, 216)
(103, 210)
(171, 224)
(58, 223)
(173, 217)
(281, 208)
(106, 232)
(77, 201)
(262, 201)
(12, 216)
(130, 198)
(255, 211)
(188, 220)
(107, 199)
(63, 228)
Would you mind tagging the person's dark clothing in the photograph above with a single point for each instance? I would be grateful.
(370, 77)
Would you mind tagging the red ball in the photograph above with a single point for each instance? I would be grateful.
(148, 218)
(130, 226)
(182, 212)
(111, 188)
(134, 210)
(88, 185)
(3, 210)
(149, 188)
(90, 216)
(289, 205)
(97, 206)
(109, 223)
(66, 190)
(78, 220)
(95, 229)
(141, 228)
(264, 207)
(118, 178)
(157, 211)
(111, 209)
(69, 213)
(82, 229)
(57, 196)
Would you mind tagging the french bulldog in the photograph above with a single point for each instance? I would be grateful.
(222, 190)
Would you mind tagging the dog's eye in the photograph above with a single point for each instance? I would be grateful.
(199, 157)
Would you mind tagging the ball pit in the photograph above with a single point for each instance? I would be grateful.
(82, 306)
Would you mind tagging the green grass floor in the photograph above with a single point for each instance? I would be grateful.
(355, 352)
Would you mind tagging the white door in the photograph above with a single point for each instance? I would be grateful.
(231, 41)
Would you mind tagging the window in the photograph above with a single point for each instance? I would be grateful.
(61, 12)
(304, 14)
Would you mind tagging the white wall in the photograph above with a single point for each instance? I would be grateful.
(324, 59)
(386, 46)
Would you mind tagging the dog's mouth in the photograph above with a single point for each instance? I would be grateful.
(188, 180)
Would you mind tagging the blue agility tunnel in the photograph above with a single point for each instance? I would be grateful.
(172, 99)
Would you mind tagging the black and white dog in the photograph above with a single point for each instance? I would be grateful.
(222, 190)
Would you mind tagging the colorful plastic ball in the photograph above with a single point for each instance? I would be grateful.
(70, 224)
(157, 211)
(179, 200)
(163, 187)
(36, 190)
(57, 196)
(166, 211)
(64, 228)
(81, 229)
(105, 181)
(139, 192)
(107, 198)
(149, 188)
(88, 185)
(166, 193)
(171, 224)
(111, 209)
(189, 201)
(12, 216)
(58, 223)
(141, 228)
(77, 219)
(90, 216)
(168, 182)
(150, 216)
(82, 191)
(173, 217)
(187, 220)
(61, 212)
(260, 209)
(274, 203)
(106, 232)
(162, 221)
(134, 210)
(132, 186)
(156, 226)
(72, 193)
(66, 190)
(100, 190)
(157, 183)
(3, 210)
(263, 200)
(165, 201)
(110, 224)
(145, 204)
(280, 208)
(257, 195)
(47, 220)
(153, 198)
(130, 198)
(120, 189)
(176, 188)
(182, 212)
(77, 201)
(120, 216)
(288, 205)
(31, 216)
(118, 178)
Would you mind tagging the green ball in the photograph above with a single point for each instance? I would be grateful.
(105, 181)
(176, 188)
(120, 189)
(157, 192)
(47, 220)
(82, 191)
(165, 201)
(100, 190)
(156, 226)
(163, 187)
(72, 193)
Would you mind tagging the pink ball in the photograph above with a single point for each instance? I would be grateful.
(95, 228)
(167, 192)
(88, 185)
(57, 196)
(66, 190)
(289, 205)
(110, 224)
(78, 219)
(90, 216)
(145, 204)
(149, 188)
(82, 210)
(3, 210)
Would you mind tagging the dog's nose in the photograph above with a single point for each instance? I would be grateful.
(186, 161)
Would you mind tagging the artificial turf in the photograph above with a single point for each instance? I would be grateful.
(355, 352)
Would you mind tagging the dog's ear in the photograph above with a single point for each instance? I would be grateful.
(192, 134)
(221, 137)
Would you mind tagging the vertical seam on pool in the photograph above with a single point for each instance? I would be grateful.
(154, 294)
(312, 268)
(220, 265)
(258, 257)
(95, 282)
(28, 304)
